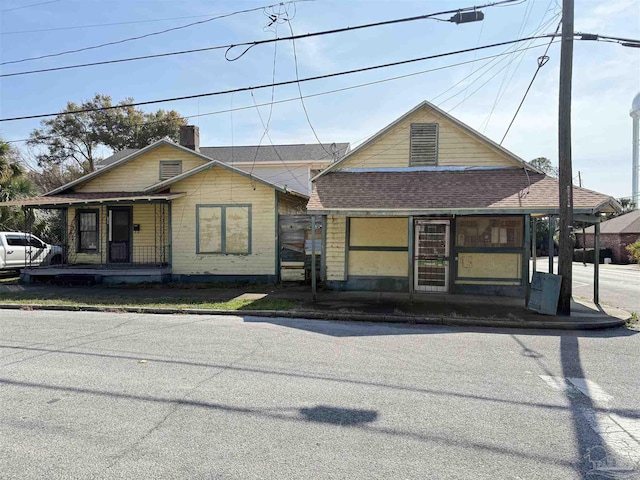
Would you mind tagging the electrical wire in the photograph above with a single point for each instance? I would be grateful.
(254, 43)
(140, 37)
(542, 61)
(338, 90)
(304, 107)
(28, 6)
(277, 84)
(501, 92)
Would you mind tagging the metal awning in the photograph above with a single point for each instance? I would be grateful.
(96, 198)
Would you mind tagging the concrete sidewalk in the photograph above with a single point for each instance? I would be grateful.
(438, 309)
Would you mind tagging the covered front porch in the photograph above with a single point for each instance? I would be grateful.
(114, 237)
(438, 231)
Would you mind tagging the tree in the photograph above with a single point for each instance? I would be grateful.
(76, 139)
(14, 184)
(545, 165)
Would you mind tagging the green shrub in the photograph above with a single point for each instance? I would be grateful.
(634, 251)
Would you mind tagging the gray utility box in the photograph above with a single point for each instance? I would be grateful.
(545, 291)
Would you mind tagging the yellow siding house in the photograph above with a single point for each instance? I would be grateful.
(168, 212)
(430, 205)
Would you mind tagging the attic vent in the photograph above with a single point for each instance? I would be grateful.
(169, 169)
(424, 144)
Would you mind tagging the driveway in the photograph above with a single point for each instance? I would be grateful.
(619, 284)
(93, 395)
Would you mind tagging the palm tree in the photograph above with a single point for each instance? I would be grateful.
(14, 184)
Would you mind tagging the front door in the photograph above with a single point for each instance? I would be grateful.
(120, 235)
(431, 258)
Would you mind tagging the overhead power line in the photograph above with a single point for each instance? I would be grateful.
(28, 6)
(542, 61)
(151, 34)
(254, 43)
(338, 90)
(277, 84)
(113, 24)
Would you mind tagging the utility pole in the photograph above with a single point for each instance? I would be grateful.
(565, 180)
(584, 236)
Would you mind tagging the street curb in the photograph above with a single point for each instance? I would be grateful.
(352, 317)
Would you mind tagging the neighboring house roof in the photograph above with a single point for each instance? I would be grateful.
(215, 163)
(265, 153)
(142, 151)
(447, 190)
(627, 223)
(92, 198)
(425, 104)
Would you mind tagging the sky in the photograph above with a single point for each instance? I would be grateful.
(483, 94)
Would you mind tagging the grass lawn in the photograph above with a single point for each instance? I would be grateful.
(78, 300)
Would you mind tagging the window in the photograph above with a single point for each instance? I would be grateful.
(424, 145)
(489, 232)
(170, 168)
(88, 231)
(34, 242)
(223, 229)
(16, 240)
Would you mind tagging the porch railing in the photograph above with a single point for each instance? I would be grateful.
(135, 256)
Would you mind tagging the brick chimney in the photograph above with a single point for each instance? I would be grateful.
(190, 137)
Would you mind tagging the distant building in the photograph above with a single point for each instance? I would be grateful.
(615, 234)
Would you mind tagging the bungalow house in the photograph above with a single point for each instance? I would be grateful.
(170, 211)
(430, 205)
(615, 234)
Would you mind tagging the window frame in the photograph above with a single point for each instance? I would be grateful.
(79, 213)
(223, 227)
(437, 145)
(168, 162)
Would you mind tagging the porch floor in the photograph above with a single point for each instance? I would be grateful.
(103, 270)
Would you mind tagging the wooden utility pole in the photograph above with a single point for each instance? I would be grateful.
(565, 180)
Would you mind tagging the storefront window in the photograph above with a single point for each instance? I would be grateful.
(489, 232)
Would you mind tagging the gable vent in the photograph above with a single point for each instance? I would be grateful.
(424, 144)
(170, 169)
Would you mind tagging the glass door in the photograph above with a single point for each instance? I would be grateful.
(431, 256)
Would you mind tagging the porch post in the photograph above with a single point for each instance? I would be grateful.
(410, 255)
(313, 257)
(596, 265)
(552, 229)
(323, 251)
(525, 260)
(534, 246)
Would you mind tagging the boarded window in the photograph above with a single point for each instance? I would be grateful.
(424, 144)
(209, 229)
(489, 232)
(223, 229)
(237, 230)
(88, 231)
(170, 169)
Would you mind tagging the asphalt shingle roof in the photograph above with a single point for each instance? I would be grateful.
(265, 153)
(480, 189)
(627, 223)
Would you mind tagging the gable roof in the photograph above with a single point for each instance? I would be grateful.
(504, 190)
(137, 153)
(122, 161)
(215, 163)
(264, 153)
(627, 223)
(425, 104)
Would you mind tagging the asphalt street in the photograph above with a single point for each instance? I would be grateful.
(108, 395)
(619, 284)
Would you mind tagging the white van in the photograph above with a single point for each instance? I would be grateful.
(19, 250)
